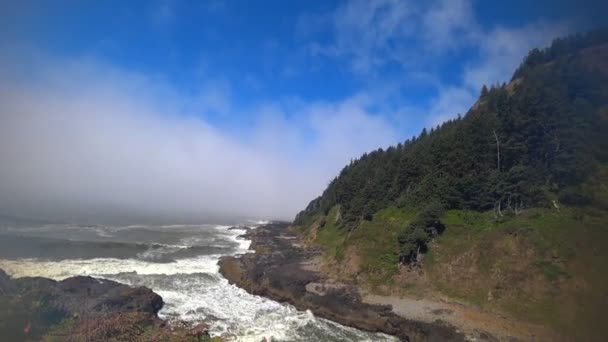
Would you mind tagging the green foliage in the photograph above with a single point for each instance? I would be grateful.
(523, 179)
(416, 235)
(376, 242)
(522, 145)
(330, 236)
(565, 247)
(551, 271)
(559, 48)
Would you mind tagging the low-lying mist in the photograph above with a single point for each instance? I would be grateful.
(82, 141)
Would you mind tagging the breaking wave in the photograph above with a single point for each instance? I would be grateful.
(180, 264)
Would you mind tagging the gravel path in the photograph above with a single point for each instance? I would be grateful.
(473, 322)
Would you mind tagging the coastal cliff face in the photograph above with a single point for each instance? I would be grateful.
(503, 210)
(279, 270)
(84, 308)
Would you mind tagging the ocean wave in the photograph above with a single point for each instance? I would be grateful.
(235, 312)
(56, 249)
(100, 267)
(189, 282)
(259, 222)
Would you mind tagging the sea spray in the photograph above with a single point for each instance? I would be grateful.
(192, 288)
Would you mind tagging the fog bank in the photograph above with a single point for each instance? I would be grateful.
(83, 141)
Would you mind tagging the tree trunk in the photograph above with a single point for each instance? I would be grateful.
(497, 210)
(497, 151)
(519, 206)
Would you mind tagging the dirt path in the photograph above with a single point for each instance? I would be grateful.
(473, 322)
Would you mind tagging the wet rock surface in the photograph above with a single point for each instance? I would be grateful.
(83, 295)
(275, 271)
(29, 307)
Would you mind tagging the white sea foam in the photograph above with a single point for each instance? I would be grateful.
(242, 242)
(59, 270)
(251, 318)
(233, 234)
(158, 251)
(259, 222)
(103, 232)
(193, 290)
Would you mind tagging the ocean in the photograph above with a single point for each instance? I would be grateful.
(179, 262)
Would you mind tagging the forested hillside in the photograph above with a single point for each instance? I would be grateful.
(505, 208)
(532, 142)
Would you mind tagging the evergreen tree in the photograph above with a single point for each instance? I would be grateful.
(542, 134)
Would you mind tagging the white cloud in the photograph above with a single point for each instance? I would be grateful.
(448, 24)
(367, 32)
(415, 36)
(374, 33)
(83, 140)
(502, 49)
(450, 102)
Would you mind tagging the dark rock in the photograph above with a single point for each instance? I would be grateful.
(30, 306)
(6, 285)
(78, 295)
(275, 271)
(239, 228)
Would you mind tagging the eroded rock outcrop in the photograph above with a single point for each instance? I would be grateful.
(275, 271)
(95, 309)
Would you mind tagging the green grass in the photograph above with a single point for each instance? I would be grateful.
(551, 271)
(376, 240)
(330, 236)
(544, 266)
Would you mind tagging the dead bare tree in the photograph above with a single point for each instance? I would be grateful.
(519, 207)
(497, 210)
(497, 205)
(497, 150)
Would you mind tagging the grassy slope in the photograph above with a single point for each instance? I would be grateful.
(544, 266)
(378, 244)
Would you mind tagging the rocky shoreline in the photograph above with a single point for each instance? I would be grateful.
(277, 271)
(85, 308)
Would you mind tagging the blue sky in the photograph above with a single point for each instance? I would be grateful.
(297, 87)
